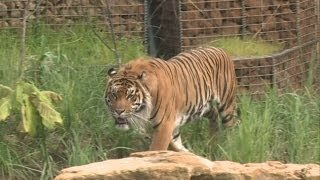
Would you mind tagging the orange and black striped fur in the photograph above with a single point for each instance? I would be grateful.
(167, 94)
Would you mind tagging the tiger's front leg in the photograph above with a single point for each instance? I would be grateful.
(162, 136)
(176, 144)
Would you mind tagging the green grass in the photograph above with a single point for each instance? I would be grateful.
(283, 127)
(73, 62)
(246, 47)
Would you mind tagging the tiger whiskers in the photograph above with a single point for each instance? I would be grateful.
(140, 125)
(135, 123)
(142, 118)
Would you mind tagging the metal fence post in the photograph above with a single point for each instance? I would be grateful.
(299, 40)
(298, 22)
(243, 19)
(317, 13)
(274, 75)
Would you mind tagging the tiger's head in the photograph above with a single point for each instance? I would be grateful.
(128, 98)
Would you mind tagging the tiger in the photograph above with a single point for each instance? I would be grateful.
(165, 95)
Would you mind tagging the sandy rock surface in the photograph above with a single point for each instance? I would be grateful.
(169, 165)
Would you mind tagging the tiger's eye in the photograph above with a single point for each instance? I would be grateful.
(113, 92)
(108, 100)
(130, 93)
(130, 96)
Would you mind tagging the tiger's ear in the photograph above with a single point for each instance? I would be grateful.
(112, 71)
(142, 75)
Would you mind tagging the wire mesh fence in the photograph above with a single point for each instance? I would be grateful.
(281, 21)
(293, 23)
(127, 16)
(290, 69)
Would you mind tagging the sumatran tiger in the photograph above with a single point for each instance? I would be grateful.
(168, 94)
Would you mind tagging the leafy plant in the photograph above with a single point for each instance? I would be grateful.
(37, 113)
(36, 106)
(5, 102)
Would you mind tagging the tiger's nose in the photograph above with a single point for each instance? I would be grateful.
(119, 111)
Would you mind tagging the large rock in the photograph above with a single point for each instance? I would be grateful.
(168, 165)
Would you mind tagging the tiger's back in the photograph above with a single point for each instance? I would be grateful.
(197, 83)
(208, 75)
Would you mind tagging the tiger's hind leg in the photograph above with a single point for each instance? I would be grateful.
(221, 116)
(228, 114)
(213, 116)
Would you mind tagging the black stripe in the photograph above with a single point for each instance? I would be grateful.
(155, 113)
(193, 61)
(190, 74)
(221, 108)
(227, 118)
(182, 79)
(176, 135)
(157, 104)
(154, 127)
(171, 74)
(189, 108)
(164, 113)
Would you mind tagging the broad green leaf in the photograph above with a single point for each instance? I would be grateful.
(19, 93)
(5, 102)
(5, 107)
(28, 88)
(54, 97)
(50, 117)
(30, 116)
(23, 88)
(43, 103)
(5, 91)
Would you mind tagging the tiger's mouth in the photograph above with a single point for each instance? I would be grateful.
(120, 120)
(122, 123)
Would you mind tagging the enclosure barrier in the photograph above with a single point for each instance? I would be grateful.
(169, 27)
